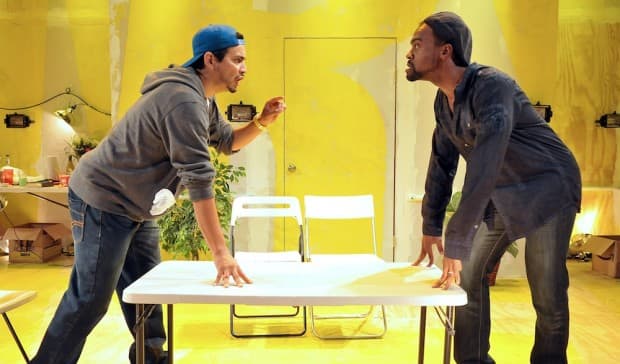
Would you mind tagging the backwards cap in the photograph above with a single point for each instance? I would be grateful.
(213, 38)
(450, 28)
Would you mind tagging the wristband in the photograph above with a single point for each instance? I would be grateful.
(260, 126)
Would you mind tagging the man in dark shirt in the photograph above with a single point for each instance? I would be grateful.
(521, 181)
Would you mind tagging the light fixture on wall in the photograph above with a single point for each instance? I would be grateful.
(64, 114)
(544, 111)
(609, 121)
(240, 112)
(17, 120)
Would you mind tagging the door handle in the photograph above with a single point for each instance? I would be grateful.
(292, 168)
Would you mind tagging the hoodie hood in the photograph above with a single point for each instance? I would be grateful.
(183, 75)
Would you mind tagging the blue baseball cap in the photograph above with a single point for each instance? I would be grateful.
(212, 38)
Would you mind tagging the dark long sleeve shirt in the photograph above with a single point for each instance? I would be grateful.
(515, 162)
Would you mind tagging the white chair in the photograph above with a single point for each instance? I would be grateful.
(267, 207)
(343, 208)
(10, 300)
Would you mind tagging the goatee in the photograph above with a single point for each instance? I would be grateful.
(413, 75)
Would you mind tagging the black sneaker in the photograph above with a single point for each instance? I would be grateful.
(152, 355)
(163, 357)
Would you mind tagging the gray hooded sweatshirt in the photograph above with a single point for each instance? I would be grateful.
(161, 142)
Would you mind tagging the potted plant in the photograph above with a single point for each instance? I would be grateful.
(179, 231)
(512, 249)
(80, 145)
(76, 148)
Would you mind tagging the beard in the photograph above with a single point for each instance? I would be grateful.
(413, 75)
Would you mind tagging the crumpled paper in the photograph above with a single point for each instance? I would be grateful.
(164, 199)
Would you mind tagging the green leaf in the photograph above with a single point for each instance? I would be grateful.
(513, 249)
(454, 202)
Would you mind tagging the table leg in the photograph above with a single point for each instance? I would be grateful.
(448, 334)
(49, 200)
(422, 335)
(139, 334)
(170, 336)
(14, 334)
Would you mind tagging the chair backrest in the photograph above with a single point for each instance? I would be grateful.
(266, 207)
(339, 208)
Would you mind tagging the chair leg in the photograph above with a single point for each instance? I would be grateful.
(14, 334)
(234, 315)
(315, 331)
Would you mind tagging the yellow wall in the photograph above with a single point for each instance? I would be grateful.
(48, 47)
(531, 44)
(588, 85)
(562, 52)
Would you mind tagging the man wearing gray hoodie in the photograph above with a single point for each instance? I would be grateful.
(161, 143)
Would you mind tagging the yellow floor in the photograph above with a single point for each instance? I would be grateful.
(201, 331)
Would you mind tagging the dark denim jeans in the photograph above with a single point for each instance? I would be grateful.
(545, 261)
(111, 252)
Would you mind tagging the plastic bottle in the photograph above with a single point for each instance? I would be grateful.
(9, 174)
(7, 171)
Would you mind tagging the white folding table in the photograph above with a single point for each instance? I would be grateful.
(38, 192)
(296, 284)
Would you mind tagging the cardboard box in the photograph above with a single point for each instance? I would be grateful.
(37, 255)
(35, 242)
(605, 251)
